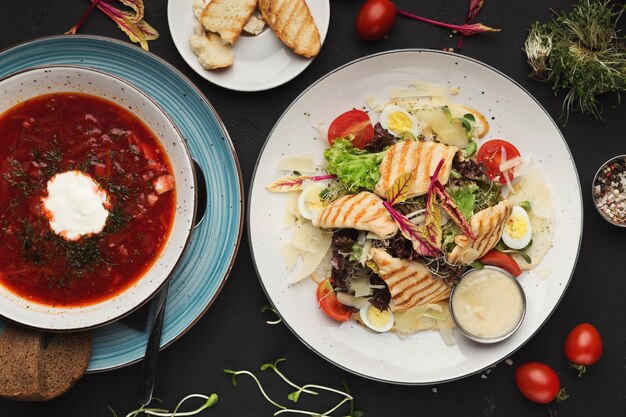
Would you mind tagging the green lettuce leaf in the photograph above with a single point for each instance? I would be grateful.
(355, 168)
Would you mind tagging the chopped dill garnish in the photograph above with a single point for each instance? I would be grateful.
(19, 178)
(81, 254)
(13, 203)
(53, 159)
(116, 221)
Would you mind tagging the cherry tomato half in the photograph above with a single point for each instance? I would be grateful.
(327, 300)
(583, 345)
(375, 19)
(538, 382)
(490, 155)
(501, 260)
(353, 122)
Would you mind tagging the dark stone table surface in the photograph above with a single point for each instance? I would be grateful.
(233, 333)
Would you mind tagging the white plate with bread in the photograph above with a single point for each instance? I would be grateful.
(248, 45)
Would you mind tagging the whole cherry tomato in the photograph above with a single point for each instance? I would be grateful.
(583, 346)
(353, 122)
(538, 382)
(375, 19)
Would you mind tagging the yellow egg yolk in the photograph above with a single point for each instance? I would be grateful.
(377, 317)
(516, 226)
(399, 122)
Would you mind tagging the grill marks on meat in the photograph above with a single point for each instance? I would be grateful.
(410, 283)
(418, 158)
(362, 211)
(488, 226)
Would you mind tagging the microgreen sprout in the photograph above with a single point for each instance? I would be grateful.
(235, 374)
(294, 396)
(209, 401)
(274, 367)
(268, 308)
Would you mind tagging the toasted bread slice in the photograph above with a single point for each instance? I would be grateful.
(292, 22)
(21, 362)
(211, 52)
(227, 18)
(65, 360)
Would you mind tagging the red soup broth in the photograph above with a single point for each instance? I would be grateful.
(55, 133)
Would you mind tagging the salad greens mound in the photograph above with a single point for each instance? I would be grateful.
(355, 168)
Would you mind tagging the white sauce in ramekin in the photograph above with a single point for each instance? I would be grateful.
(488, 303)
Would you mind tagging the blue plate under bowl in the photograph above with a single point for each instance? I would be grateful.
(214, 243)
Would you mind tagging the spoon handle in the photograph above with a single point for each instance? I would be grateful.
(149, 367)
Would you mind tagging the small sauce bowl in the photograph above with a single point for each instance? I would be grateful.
(460, 293)
(597, 193)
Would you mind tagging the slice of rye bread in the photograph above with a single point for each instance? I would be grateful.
(65, 360)
(293, 23)
(227, 18)
(21, 362)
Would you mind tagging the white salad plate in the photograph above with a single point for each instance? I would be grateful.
(261, 62)
(514, 115)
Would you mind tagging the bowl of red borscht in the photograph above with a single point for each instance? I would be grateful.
(97, 197)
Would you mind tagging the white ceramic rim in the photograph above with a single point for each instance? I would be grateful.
(130, 307)
(580, 226)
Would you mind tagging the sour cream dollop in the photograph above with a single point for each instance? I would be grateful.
(75, 205)
(488, 304)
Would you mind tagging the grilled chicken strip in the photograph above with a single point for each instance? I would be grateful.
(487, 225)
(410, 283)
(418, 158)
(362, 211)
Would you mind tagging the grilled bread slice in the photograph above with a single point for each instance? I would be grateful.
(293, 23)
(487, 225)
(418, 158)
(362, 211)
(227, 18)
(410, 283)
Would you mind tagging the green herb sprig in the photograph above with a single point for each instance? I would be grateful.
(209, 401)
(294, 396)
(580, 52)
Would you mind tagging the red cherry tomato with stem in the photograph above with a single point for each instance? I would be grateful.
(501, 260)
(375, 19)
(490, 155)
(583, 346)
(327, 300)
(353, 122)
(538, 382)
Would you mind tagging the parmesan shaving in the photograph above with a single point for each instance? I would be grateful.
(373, 103)
(532, 187)
(503, 161)
(365, 252)
(289, 254)
(302, 163)
(310, 261)
(361, 287)
(511, 163)
(414, 319)
(351, 301)
(429, 89)
(544, 273)
(307, 237)
(291, 205)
